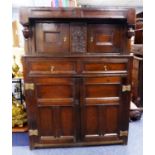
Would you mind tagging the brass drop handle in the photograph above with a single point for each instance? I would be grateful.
(52, 68)
(105, 67)
(91, 39)
(65, 39)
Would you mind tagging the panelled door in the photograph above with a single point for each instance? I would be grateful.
(102, 108)
(55, 110)
(105, 38)
(72, 110)
(52, 38)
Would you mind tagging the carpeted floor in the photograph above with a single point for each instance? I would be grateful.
(134, 147)
(20, 139)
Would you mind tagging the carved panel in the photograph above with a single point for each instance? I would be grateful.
(78, 38)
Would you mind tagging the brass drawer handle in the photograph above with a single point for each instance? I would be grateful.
(65, 39)
(52, 68)
(105, 67)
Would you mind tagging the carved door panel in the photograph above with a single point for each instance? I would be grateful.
(105, 38)
(54, 107)
(101, 108)
(78, 37)
(52, 38)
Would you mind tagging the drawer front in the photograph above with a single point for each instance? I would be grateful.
(51, 67)
(105, 66)
(74, 66)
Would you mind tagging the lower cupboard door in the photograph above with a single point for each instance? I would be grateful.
(54, 112)
(56, 124)
(102, 110)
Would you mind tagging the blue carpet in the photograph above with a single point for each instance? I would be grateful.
(134, 147)
(20, 139)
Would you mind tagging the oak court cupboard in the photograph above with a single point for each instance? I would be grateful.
(77, 73)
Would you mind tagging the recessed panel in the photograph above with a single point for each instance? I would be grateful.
(102, 90)
(99, 80)
(103, 39)
(91, 120)
(112, 119)
(54, 91)
(52, 37)
(66, 121)
(46, 121)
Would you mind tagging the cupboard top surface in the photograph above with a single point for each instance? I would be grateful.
(111, 13)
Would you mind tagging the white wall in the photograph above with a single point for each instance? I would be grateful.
(18, 3)
(112, 2)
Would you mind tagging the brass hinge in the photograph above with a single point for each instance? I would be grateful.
(123, 133)
(29, 86)
(33, 132)
(126, 88)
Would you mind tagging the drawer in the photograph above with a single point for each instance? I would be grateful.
(51, 67)
(104, 67)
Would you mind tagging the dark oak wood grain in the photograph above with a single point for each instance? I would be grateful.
(137, 72)
(77, 73)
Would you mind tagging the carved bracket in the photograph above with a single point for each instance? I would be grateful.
(27, 32)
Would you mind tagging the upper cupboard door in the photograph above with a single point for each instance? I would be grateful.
(105, 38)
(52, 38)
